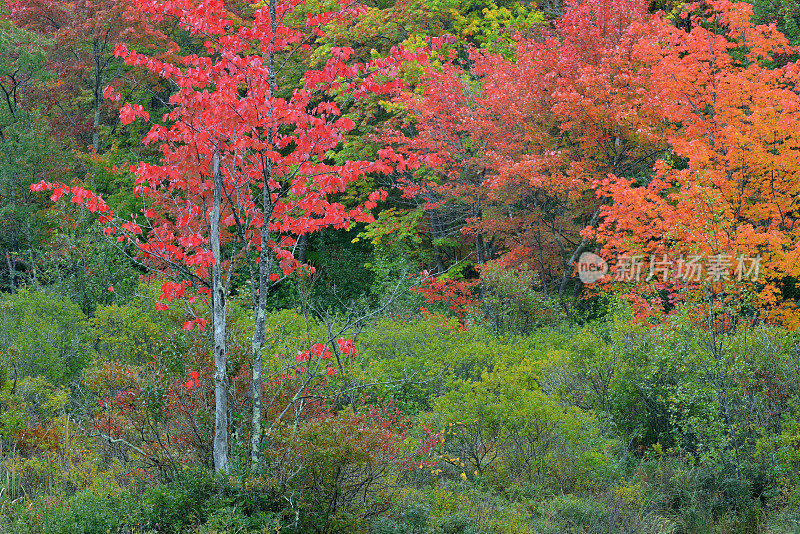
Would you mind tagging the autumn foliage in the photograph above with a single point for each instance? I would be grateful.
(519, 148)
(729, 185)
(244, 164)
(417, 266)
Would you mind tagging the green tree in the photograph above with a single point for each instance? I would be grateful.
(27, 153)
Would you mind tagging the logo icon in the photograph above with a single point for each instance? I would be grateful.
(591, 267)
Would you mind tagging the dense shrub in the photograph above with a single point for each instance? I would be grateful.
(415, 360)
(604, 514)
(612, 426)
(505, 429)
(89, 512)
(43, 335)
(133, 333)
(512, 303)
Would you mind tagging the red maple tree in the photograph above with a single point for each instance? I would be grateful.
(245, 164)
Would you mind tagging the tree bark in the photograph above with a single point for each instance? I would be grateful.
(259, 316)
(96, 127)
(219, 305)
(302, 248)
(264, 268)
(569, 266)
(98, 87)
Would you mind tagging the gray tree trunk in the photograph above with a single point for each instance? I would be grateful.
(264, 268)
(98, 87)
(259, 316)
(219, 304)
(96, 124)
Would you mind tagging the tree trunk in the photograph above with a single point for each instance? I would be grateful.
(96, 124)
(259, 316)
(569, 266)
(218, 304)
(11, 274)
(98, 87)
(302, 248)
(480, 249)
(480, 244)
(264, 268)
(437, 256)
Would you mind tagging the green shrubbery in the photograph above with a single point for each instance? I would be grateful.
(511, 301)
(43, 335)
(416, 360)
(608, 426)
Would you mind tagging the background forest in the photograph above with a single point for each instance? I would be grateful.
(307, 266)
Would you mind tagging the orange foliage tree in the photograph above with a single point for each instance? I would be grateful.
(728, 190)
